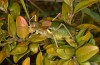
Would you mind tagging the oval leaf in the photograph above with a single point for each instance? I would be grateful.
(86, 52)
(84, 4)
(11, 26)
(22, 27)
(19, 50)
(26, 61)
(39, 59)
(33, 47)
(15, 10)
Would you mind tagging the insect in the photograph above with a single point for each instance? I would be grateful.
(52, 28)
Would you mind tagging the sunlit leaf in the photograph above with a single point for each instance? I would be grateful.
(82, 40)
(86, 52)
(67, 2)
(19, 50)
(26, 61)
(15, 10)
(61, 61)
(4, 5)
(11, 26)
(2, 55)
(90, 27)
(85, 63)
(62, 54)
(84, 4)
(71, 41)
(33, 47)
(22, 27)
(39, 59)
(37, 38)
(16, 58)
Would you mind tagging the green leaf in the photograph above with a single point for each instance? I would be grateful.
(16, 58)
(90, 27)
(46, 61)
(86, 52)
(82, 40)
(33, 47)
(83, 4)
(22, 27)
(15, 10)
(66, 53)
(39, 59)
(37, 38)
(67, 2)
(92, 14)
(19, 50)
(11, 26)
(95, 58)
(2, 55)
(26, 61)
(4, 5)
(24, 6)
(65, 11)
(85, 63)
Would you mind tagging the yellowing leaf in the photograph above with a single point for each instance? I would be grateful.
(22, 27)
(16, 58)
(26, 61)
(33, 47)
(2, 55)
(61, 53)
(67, 2)
(86, 52)
(39, 59)
(90, 27)
(84, 4)
(37, 38)
(11, 26)
(19, 50)
(82, 40)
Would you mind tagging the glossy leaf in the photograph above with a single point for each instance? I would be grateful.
(61, 53)
(2, 55)
(37, 38)
(39, 59)
(85, 63)
(22, 27)
(33, 47)
(19, 50)
(26, 61)
(65, 11)
(82, 40)
(52, 51)
(86, 52)
(71, 42)
(11, 26)
(84, 4)
(16, 58)
(4, 5)
(90, 27)
(15, 10)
